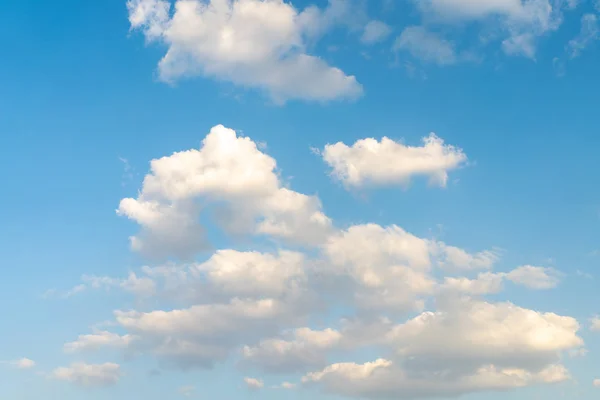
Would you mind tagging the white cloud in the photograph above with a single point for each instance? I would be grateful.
(253, 383)
(233, 174)
(369, 162)
(467, 346)
(534, 277)
(259, 44)
(98, 340)
(596, 382)
(355, 293)
(590, 32)
(89, 375)
(375, 31)
(426, 46)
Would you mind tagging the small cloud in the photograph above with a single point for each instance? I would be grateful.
(187, 391)
(285, 385)
(23, 363)
(254, 384)
(596, 383)
(375, 31)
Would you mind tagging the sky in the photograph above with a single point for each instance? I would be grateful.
(264, 199)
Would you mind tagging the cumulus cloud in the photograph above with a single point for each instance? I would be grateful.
(468, 346)
(418, 305)
(369, 162)
(89, 375)
(260, 44)
(231, 173)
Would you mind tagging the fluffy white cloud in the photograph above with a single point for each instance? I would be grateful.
(369, 162)
(426, 46)
(259, 44)
(287, 311)
(98, 340)
(534, 277)
(231, 173)
(466, 346)
(253, 383)
(375, 31)
(89, 375)
(382, 268)
(477, 332)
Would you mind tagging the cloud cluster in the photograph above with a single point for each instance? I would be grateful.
(418, 303)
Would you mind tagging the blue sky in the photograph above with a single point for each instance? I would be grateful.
(273, 242)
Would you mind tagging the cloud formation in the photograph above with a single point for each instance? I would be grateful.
(369, 162)
(259, 44)
(418, 304)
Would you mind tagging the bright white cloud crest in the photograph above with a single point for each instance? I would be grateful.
(417, 302)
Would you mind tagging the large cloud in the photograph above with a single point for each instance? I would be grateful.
(253, 43)
(417, 305)
(231, 173)
(465, 347)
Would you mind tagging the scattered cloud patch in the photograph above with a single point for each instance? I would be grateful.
(375, 31)
(89, 375)
(369, 162)
(251, 43)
